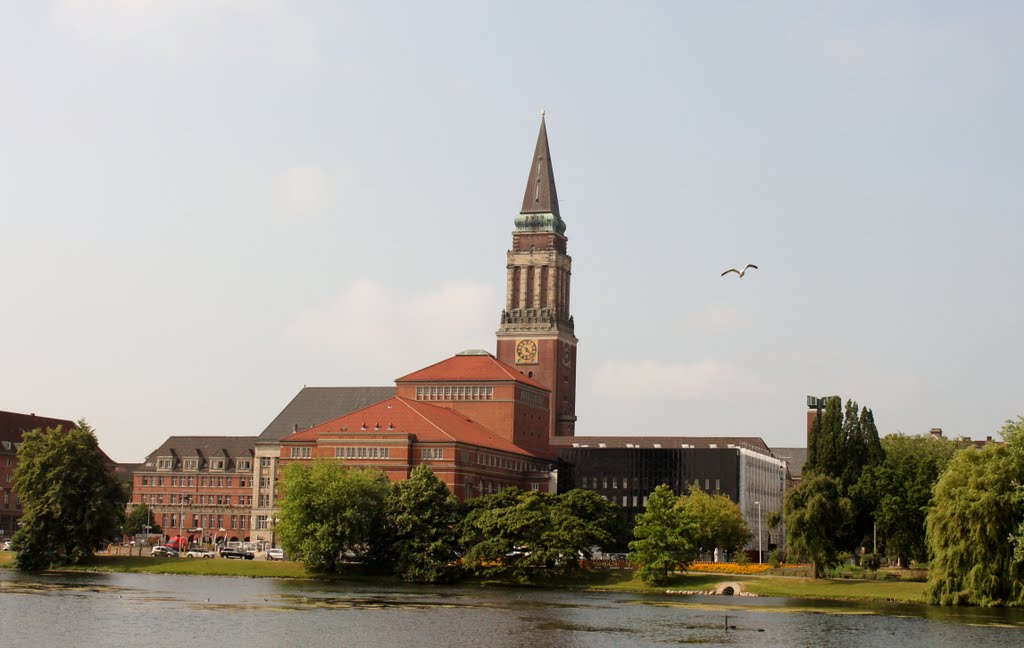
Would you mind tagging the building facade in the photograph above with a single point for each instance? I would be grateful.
(199, 488)
(626, 470)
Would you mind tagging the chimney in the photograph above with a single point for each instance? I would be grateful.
(936, 432)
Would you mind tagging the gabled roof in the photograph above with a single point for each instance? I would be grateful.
(401, 416)
(540, 196)
(467, 367)
(314, 405)
(204, 446)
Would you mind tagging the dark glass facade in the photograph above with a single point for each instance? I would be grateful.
(627, 476)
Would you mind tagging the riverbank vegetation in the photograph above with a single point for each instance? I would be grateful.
(913, 499)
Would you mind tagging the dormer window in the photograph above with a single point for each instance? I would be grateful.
(163, 464)
(217, 464)
(243, 464)
(191, 464)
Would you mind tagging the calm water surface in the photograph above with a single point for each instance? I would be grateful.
(150, 610)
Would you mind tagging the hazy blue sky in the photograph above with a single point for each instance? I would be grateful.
(207, 204)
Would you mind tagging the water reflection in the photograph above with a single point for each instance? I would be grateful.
(129, 609)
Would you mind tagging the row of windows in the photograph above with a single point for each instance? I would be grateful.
(487, 487)
(362, 453)
(613, 483)
(197, 500)
(211, 523)
(506, 463)
(432, 453)
(194, 464)
(204, 482)
(455, 393)
(304, 452)
(531, 398)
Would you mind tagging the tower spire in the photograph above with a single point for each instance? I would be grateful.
(540, 196)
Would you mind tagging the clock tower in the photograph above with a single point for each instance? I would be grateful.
(536, 334)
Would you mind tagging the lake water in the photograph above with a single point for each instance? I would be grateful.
(185, 611)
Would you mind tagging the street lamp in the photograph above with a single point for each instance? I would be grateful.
(758, 505)
(181, 516)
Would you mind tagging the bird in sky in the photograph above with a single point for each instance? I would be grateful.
(740, 272)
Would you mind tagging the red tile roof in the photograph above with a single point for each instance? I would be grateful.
(429, 423)
(464, 368)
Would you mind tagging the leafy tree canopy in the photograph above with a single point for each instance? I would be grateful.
(138, 519)
(815, 510)
(422, 515)
(977, 506)
(664, 537)
(841, 445)
(897, 493)
(534, 535)
(329, 509)
(72, 502)
(717, 520)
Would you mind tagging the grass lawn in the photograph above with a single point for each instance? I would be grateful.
(840, 589)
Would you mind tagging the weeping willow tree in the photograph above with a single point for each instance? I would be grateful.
(977, 506)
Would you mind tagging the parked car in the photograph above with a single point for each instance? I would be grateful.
(275, 554)
(236, 554)
(162, 551)
(200, 553)
(6, 547)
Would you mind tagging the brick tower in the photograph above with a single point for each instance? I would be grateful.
(536, 334)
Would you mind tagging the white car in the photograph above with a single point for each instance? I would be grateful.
(275, 554)
(200, 553)
(6, 547)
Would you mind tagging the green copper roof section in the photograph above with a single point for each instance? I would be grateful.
(540, 202)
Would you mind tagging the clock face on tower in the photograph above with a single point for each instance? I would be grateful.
(526, 352)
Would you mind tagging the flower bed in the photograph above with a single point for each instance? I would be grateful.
(730, 568)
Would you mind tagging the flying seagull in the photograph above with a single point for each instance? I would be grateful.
(740, 272)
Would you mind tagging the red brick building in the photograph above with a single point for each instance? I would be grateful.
(199, 487)
(480, 425)
(13, 427)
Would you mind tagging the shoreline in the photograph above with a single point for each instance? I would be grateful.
(619, 580)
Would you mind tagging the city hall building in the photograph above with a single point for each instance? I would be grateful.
(482, 421)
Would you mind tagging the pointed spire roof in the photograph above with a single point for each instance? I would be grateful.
(541, 197)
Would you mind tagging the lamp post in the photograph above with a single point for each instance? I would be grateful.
(181, 516)
(758, 505)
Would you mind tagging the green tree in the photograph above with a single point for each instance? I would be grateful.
(897, 493)
(422, 515)
(329, 509)
(977, 506)
(824, 445)
(842, 445)
(138, 519)
(72, 502)
(664, 537)
(815, 510)
(534, 535)
(717, 520)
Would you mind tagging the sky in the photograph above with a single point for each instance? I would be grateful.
(206, 205)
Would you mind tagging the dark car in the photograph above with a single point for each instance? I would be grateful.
(236, 554)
